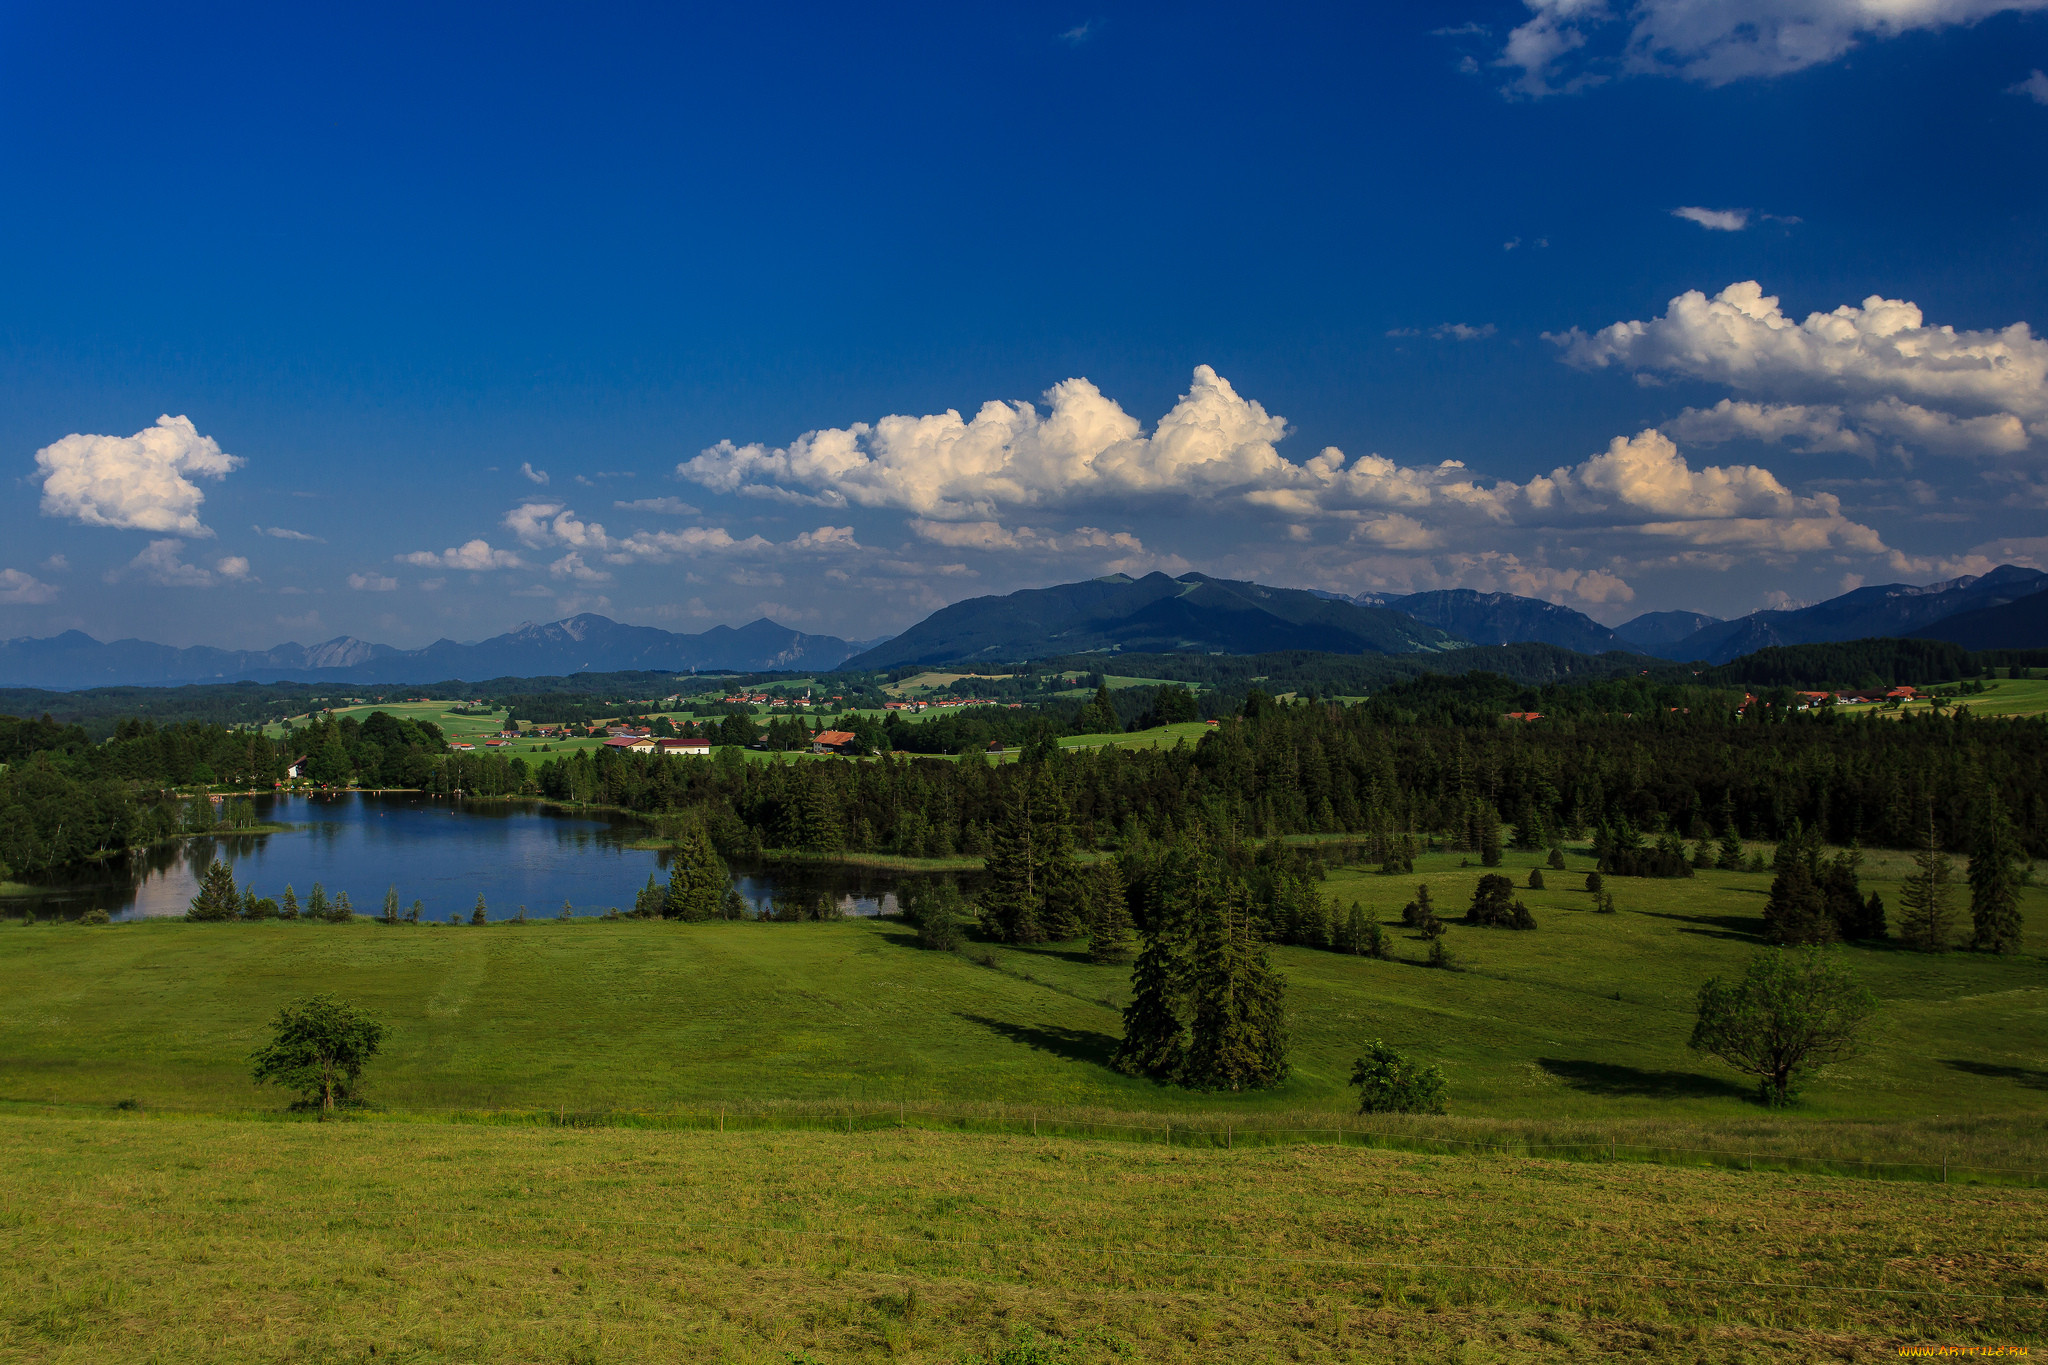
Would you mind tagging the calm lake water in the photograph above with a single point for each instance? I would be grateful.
(440, 851)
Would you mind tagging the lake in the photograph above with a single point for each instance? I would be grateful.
(441, 851)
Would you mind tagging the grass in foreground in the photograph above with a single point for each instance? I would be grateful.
(219, 1240)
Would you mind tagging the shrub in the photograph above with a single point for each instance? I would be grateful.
(1594, 882)
(1535, 879)
(1389, 1083)
(1556, 863)
(1494, 904)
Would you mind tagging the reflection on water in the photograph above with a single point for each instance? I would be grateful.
(441, 852)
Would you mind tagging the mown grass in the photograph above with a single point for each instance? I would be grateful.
(129, 1237)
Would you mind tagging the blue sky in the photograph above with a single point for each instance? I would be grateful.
(1244, 282)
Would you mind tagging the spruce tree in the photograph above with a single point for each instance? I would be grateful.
(1994, 885)
(1797, 912)
(1489, 837)
(217, 898)
(697, 878)
(1729, 857)
(479, 915)
(1378, 942)
(288, 908)
(341, 912)
(1155, 1041)
(1109, 925)
(650, 900)
(1238, 1040)
(316, 904)
(1927, 921)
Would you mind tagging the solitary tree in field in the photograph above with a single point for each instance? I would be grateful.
(1729, 855)
(318, 1048)
(288, 905)
(479, 915)
(1994, 887)
(1927, 916)
(1389, 1083)
(1791, 1011)
(217, 898)
(391, 904)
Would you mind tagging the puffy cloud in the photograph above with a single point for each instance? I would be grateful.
(1883, 349)
(141, 482)
(1643, 483)
(1458, 331)
(2034, 87)
(1595, 587)
(571, 565)
(1805, 428)
(1566, 45)
(1008, 455)
(477, 556)
(989, 535)
(532, 474)
(24, 589)
(372, 582)
(284, 533)
(161, 562)
(541, 524)
(1715, 220)
(824, 538)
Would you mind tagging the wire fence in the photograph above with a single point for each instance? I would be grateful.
(853, 1119)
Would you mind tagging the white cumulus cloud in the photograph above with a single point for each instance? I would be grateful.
(532, 474)
(542, 524)
(1857, 378)
(1566, 45)
(372, 582)
(24, 589)
(141, 482)
(2034, 87)
(476, 556)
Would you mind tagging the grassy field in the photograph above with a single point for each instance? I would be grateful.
(132, 1237)
(156, 1206)
(1583, 1021)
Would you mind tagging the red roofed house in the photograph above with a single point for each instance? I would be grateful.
(831, 741)
(631, 743)
(684, 748)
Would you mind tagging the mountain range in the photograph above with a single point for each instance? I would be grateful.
(2006, 608)
(579, 644)
(1152, 615)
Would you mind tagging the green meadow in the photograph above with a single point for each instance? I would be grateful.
(624, 1140)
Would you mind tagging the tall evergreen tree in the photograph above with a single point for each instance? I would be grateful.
(217, 898)
(1927, 919)
(1729, 857)
(697, 878)
(1238, 1038)
(1797, 912)
(1994, 886)
(1109, 925)
(1155, 1041)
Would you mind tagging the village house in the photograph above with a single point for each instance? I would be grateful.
(831, 741)
(684, 748)
(634, 744)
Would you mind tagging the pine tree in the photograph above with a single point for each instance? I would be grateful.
(1238, 1039)
(1098, 717)
(479, 915)
(1489, 837)
(1994, 886)
(1348, 934)
(1155, 1041)
(249, 903)
(1798, 911)
(1378, 942)
(650, 900)
(1927, 921)
(412, 916)
(1729, 858)
(1109, 926)
(217, 898)
(316, 904)
(341, 912)
(288, 908)
(697, 878)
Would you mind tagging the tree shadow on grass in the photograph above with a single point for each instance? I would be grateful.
(2020, 1075)
(1075, 1044)
(1615, 1081)
(1746, 928)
